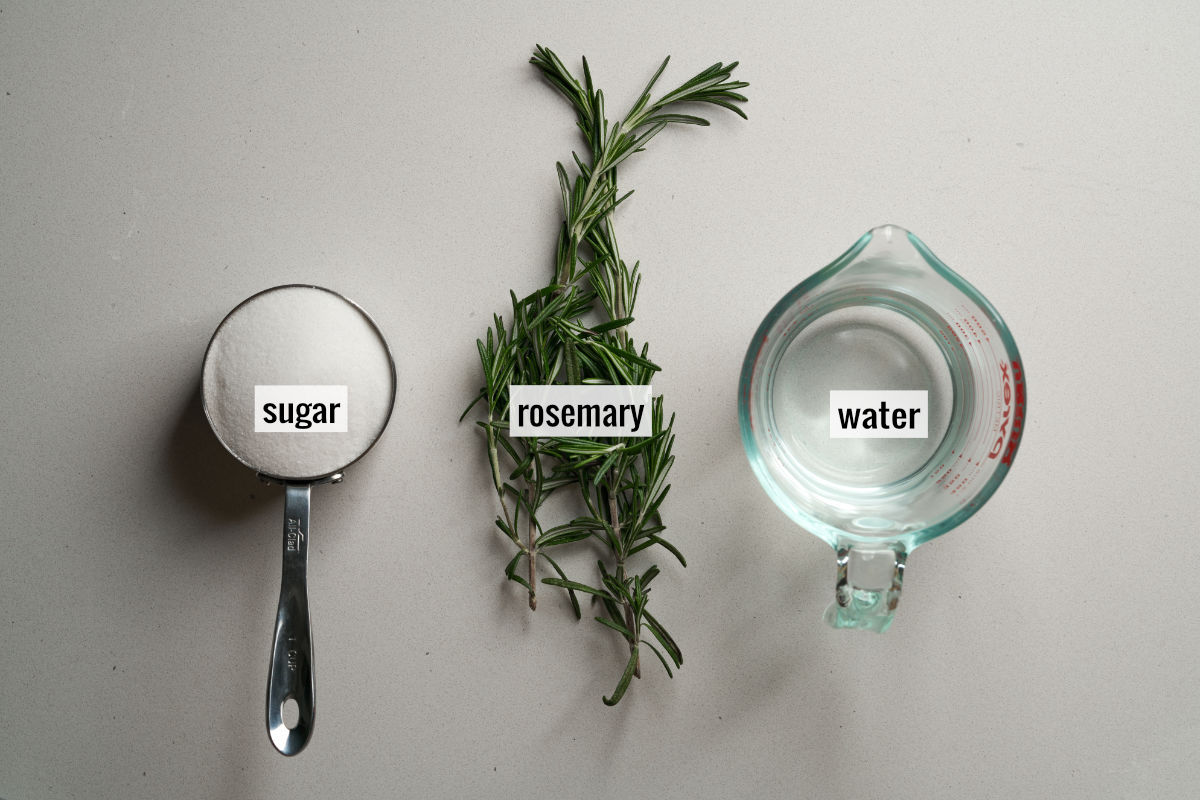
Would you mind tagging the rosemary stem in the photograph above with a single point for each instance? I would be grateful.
(630, 622)
(532, 555)
(619, 308)
(575, 233)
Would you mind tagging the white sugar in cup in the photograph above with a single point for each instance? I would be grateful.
(298, 383)
(297, 336)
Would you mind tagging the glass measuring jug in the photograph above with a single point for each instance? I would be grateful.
(886, 320)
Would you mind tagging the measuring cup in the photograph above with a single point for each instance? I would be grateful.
(887, 319)
(271, 363)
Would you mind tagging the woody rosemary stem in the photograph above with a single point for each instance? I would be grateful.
(532, 552)
(627, 607)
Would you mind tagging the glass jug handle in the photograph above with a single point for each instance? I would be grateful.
(866, 604)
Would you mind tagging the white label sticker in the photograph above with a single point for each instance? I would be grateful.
(579, 410)
(301, 409)
(879, 414)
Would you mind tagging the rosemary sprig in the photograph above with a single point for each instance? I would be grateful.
(622, 482)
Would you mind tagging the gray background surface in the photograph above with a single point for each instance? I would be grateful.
(160, 162)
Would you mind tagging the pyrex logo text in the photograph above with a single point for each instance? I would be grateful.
(1014, 412)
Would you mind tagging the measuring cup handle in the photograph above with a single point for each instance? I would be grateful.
(291, 675)
(867, 608)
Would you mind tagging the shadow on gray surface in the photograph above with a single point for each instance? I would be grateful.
(206, 478)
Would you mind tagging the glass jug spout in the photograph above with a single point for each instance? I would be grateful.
(869, 578)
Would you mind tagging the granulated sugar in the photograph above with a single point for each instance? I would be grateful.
(297, 336)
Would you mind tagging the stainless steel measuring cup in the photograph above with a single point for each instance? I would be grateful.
(298, 383)
(886, 322)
